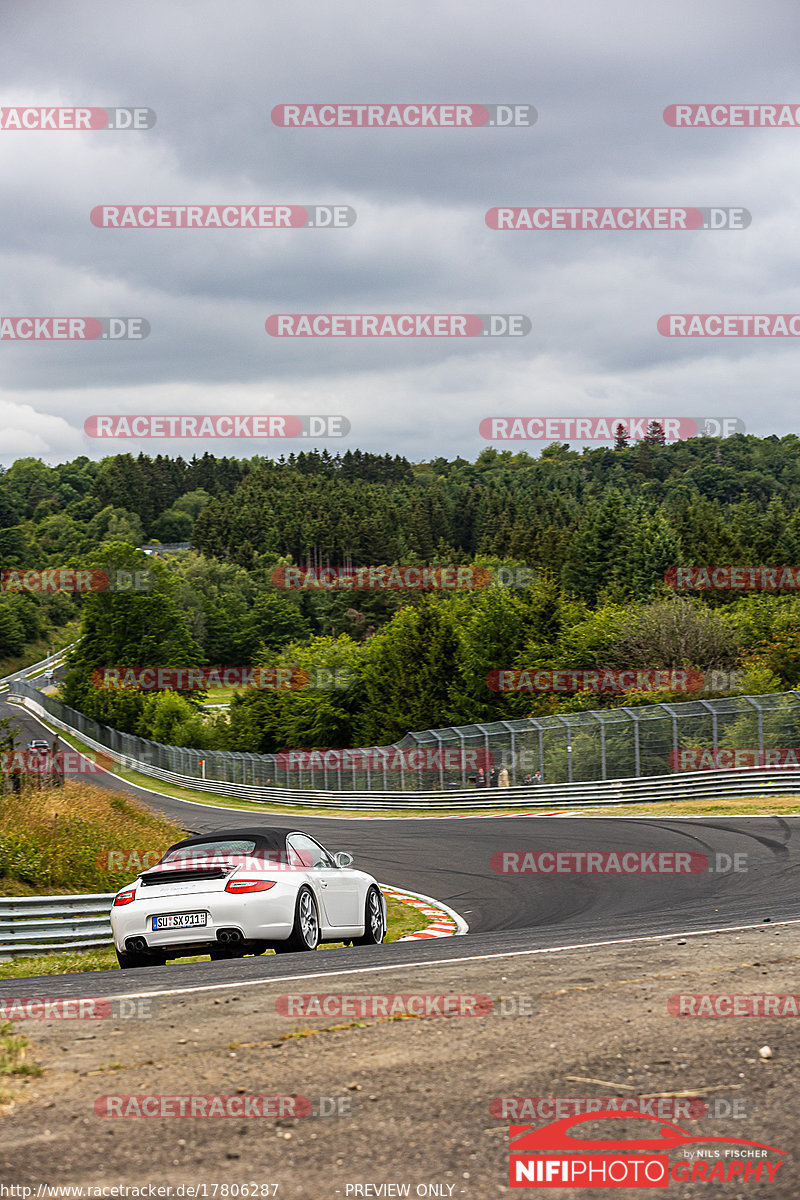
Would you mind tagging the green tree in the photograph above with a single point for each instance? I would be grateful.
(117, 525)
(275, 621)
(12, 640)
(173, 526)
(599, 550)
(411, 674)
(127, 628)
(656, 548)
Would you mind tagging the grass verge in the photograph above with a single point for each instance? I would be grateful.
(768, 804)
(59, 840)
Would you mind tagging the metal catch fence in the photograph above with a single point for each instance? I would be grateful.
(660, 741)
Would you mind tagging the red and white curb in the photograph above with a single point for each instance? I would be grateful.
(444, 921)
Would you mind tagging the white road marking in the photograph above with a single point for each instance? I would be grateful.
(447, 962)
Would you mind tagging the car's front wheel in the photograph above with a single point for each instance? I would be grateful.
(305, 931)
(374, 924)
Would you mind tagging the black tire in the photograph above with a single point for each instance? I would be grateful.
(218, 953)
(126, 960)
(374, 923)
(305, 931)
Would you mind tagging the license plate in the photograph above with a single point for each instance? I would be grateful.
(179, 920)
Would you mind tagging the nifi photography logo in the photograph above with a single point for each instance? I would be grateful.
(552, 1156)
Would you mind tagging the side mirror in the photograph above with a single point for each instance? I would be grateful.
(343, 859)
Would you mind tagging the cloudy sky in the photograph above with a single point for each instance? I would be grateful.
(599, 75)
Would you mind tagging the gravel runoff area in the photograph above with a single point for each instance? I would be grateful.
(411, 1097)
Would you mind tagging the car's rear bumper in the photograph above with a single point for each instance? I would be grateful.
(257, 919)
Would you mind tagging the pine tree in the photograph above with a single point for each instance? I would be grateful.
(659, 549)
(598, 552)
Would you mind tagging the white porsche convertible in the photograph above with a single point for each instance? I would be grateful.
(245, 891)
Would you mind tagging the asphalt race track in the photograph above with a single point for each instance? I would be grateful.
(507, 913)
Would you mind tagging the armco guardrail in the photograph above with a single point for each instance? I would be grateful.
(42, 924)
(695, 785)
(51, 662)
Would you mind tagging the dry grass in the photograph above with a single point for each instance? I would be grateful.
(56, 840)
(13, 1065)
(774, 805)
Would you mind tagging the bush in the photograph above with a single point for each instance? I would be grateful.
(57, 840)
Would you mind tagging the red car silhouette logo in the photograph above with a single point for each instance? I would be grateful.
(555, 1137)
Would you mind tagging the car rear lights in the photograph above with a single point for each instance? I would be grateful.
(237, 886)
(125, 897)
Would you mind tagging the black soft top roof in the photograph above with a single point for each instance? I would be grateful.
(266, 837)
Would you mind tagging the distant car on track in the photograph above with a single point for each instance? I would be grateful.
(38, 747)
(244, 891)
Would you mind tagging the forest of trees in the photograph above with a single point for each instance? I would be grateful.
(598, 529)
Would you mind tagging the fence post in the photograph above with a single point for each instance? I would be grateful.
(486, 751)
(602, 725)
(440, 743)
(632, 714)
(569, 745)
(760, 712)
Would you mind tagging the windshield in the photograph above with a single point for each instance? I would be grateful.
(211, 848)
(225, 850)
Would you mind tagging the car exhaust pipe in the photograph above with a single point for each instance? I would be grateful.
(136, 945)
(229, 936)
